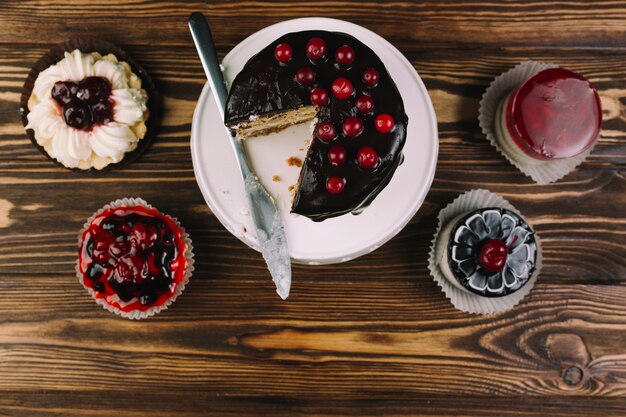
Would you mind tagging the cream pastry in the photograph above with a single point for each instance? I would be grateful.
(88, 110)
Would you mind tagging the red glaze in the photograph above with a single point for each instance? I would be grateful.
(342, 88)
(335, 185)
(364, 104)
(305, 76)
(325, 131)
(344, 55)
(367, 157)
(316, 49)
(141, 263)
(352, 126)
(493, 255)
(370, 77)
(319, 97)
(337, 155)
(283, 52)
(554, 114)
(384, 123)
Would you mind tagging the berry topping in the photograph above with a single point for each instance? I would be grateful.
(102, 112)
(283, 52)
(76, 114)
(143, 236)
(64, 91)
(344, 55)
(337, 155)
(365, 104)
(305, 76)
(325, 131)
(352, 126)
(370, 77)
(93, 90)
(131, 257)
(493, 255)
(316, 49)
(86, 103)
(131, 269)
(367, 157)
(335, 185)
(342, 88)
(319, 97)
(384, 123)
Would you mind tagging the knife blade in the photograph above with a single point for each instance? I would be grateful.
(269, 227)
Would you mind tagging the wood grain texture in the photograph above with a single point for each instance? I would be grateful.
(371, 337)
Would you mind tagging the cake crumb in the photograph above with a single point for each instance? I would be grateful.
(294, 161)
(291, 188)
(276, 178)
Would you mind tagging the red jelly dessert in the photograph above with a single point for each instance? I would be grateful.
(133, 259)
(555, 114)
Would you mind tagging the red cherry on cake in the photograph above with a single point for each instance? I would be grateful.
(384, 123)
(493, 255)
(325, 131)
(315, 49)
(367, 157)
(93, 89)
(283, 52)
(305, 76)
(77, 114)
(335, 185)
(319, 97)
(337, 155)
(143, 236)
(64, 91)
(344, 55)
(342, 88)
(370, 77)
(352, 126)
(364, 104)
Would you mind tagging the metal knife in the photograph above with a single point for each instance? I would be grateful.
(269, 226)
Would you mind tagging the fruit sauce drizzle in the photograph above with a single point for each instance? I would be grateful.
(132, 257)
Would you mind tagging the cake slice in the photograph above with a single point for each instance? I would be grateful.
(341, 85)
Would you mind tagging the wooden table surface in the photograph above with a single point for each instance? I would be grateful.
(374, 336)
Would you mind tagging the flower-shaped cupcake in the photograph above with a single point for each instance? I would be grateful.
(491, 252)
(88, 110)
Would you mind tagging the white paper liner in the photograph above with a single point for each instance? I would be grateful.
(542, 172)
(136, 314)
(462, 299)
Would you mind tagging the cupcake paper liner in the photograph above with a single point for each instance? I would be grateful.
(87, 45)
(136, 314)
(462, 299)
(542, 172)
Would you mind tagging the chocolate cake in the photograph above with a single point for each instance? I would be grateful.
(336, 81)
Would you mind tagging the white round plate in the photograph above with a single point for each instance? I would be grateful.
(338, 239)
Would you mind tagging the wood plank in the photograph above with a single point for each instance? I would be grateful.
(561, 341)
(573, 23)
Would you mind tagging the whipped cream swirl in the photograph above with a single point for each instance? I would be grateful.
(104, 143)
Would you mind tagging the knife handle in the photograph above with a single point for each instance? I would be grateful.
(203, 40)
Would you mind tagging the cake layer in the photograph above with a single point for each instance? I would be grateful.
(259, 126)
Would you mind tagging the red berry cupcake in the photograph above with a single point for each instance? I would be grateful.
(134, 260)
(543, 118)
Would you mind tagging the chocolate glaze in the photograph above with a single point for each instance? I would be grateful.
(265, 86)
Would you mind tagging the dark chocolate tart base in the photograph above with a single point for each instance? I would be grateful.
(87, 45)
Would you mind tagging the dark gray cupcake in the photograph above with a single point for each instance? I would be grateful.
(491, 252)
